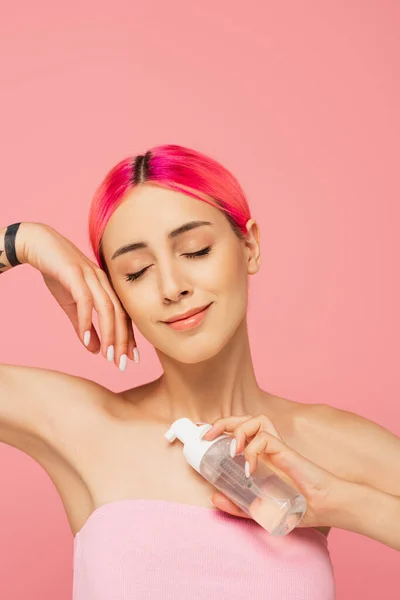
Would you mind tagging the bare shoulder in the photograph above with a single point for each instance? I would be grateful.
(338, 427)
(316, 431)
(299, 424)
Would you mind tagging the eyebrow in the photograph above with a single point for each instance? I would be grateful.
(171, 235)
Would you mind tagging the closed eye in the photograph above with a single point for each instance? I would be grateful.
(198, 254)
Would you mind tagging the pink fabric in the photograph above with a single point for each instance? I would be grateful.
(156, 549)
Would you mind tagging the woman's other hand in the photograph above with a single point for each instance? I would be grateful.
(79, 285)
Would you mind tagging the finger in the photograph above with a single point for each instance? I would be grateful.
(132, 353)
(124, 322)
(292, 466)
(121, 334)
(94, 343)
(224, 424)
(262, 443)
(104, 308)
(243, 428)
(80, 313)
(250, 428)
(124, 341)
(225, 504)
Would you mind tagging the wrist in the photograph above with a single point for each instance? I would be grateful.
(345, 504)
(24, 235)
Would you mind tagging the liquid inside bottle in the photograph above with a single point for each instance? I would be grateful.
(272, 502)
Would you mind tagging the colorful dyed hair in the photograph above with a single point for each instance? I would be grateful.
(174, 167)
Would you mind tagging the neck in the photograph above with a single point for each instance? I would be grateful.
(222, 386)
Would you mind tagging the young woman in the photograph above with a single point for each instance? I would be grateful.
(175, 244)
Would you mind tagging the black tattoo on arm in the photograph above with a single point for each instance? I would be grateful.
(2, 265)
(9, 247)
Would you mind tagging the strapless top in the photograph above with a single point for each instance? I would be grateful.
(142, 549)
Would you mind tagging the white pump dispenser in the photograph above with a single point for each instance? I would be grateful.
(189, 434)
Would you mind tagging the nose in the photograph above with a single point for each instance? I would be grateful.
(173, 284)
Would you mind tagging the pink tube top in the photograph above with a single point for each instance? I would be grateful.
(144, 549)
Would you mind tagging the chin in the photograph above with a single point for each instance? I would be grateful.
(201, 344)
(197, 349)
(197, 356)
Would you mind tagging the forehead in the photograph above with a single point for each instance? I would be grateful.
(149, 211)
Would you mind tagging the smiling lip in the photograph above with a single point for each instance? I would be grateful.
(187, 314)
(192, 319)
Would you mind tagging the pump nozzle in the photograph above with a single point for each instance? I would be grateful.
(170, 434)
(184, 429)
(189, 434)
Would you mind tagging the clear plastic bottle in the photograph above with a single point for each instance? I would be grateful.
(273, 503)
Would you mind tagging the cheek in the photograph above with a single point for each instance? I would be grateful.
(136, 305)
(140, 306)
(229, 273)
(230, 285)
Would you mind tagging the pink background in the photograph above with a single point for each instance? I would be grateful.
(301, 101)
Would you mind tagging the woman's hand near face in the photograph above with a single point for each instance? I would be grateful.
(79, 285)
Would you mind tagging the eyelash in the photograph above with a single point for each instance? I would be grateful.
(199, 254)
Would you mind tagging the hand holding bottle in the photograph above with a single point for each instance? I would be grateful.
(258, 438)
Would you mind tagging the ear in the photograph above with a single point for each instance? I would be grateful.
(252, 245)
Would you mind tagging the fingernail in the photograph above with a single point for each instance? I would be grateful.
(110, 353)
(86, 338)
(233, 447)
(122, 362)
(247, 469)
(136, 355)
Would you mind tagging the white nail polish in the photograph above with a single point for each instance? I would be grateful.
(247, 469)
(233, 448)
(86, 338)
(110, 353)
(136, 355)
(122, 362)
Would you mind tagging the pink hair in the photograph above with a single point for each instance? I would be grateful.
(174, 167)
